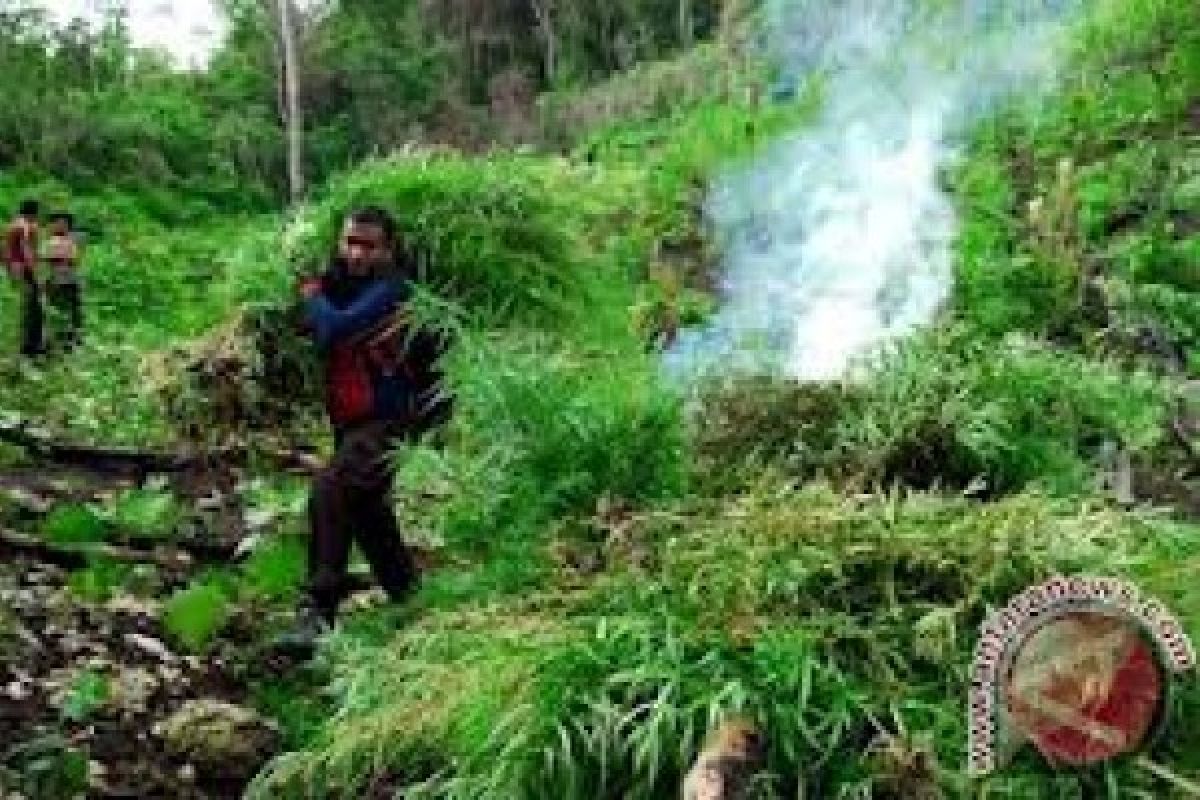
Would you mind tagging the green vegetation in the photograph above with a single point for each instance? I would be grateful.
(947, 408)
(88, 693)
(146, 513)
(193, 616)
(48, 766)
(1099, 183)
(74, 524)
(97, 582)
(276, 569)
(86, 106)
(619, 563)
(843, 625)
(831, 620)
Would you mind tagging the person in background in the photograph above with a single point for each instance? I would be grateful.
(62, 255)
(21, 257)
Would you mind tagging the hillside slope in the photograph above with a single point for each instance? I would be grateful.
(826, 563)
(614, 563)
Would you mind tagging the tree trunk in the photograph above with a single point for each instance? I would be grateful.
(287, 34)
(541, 9)
(686, 24)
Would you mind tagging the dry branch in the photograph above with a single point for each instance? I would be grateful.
(140, 463)
(78, 554)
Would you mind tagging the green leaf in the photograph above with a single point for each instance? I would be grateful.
(88, 694)
(74, 524)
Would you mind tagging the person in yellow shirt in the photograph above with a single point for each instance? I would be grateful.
(62, 256)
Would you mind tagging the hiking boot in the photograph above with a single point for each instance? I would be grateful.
(300, 640)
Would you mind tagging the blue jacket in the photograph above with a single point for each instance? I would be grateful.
(364, 375)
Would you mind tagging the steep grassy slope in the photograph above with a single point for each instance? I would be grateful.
(582, 650)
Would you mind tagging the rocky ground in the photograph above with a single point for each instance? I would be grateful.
(94, 688)
(94, 701)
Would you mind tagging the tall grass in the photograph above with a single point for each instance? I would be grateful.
(500, 235)
(834, 622)
(1091, 182)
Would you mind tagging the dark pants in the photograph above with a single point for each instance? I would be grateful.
(66, 298)
(351, 502)
(31, 316)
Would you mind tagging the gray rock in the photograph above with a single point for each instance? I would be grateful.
(97, 773)
(132, 689)
(150, 646)
(17, 691)
(133, 606)
(213, 733)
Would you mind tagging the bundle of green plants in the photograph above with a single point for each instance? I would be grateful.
(945, 409)
(502, 234)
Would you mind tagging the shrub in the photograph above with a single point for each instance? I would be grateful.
(276, 569)
(193, 616)
(543, 432)
(69, 524)
(146, 513)
(96, 582)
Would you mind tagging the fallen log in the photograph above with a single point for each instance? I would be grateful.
(99, 459)
(1184, 440)
(76, 555)
(139, 464)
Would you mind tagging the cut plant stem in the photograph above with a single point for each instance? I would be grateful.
(1190, 788)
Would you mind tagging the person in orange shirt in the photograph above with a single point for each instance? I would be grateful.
(62, 255)
(21, 257)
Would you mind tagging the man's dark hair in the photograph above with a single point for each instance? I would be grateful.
(376, 217)
(63, 216)
(29, 208)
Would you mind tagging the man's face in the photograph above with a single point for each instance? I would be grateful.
(364, 248)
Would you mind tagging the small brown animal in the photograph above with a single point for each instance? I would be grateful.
(735, 752)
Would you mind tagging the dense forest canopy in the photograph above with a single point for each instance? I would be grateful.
(85, 106)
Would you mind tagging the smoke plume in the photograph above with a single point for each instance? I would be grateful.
(839, 238)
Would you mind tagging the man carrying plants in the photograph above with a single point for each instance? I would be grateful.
(382, 386)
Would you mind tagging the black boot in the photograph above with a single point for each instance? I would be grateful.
(311, 623)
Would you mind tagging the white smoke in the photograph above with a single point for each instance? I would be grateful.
(840, 238)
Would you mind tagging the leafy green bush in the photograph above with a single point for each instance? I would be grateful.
(1177, 311)
(96, 582)
(89, 692)
(146, 513)
(193, 616)
(1104, 166)
(46, 766)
